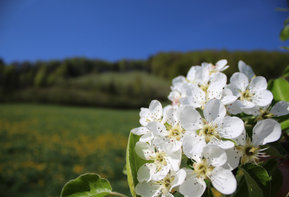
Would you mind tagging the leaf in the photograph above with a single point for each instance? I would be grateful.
(259, 173)
(284, 34)
(276, 149)
(253, 188)
(275, 184)
(133, 163)
(280, 89)
(286, 72)
(86, 185)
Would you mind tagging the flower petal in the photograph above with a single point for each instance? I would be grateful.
(258, 83)
(214, 109)
(144, 173)
(174, 159)
(192, 186)
(231, 127)
(144, 150)
(190, 119)
(235, 107)
(280, 109)
(193, 144)
(148, 189)
(221, 65)
(224, 144)
(266, 131)
(262, 98)
(156, 109)
(140, 131)
(214, 155)
(246, 69)
(157, 128)
(179, 178)
(217, 83)
(239, 81)
(223, 180)
(233, 159)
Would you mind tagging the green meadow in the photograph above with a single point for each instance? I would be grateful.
(44, 146)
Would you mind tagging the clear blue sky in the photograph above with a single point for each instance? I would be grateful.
(117, 29)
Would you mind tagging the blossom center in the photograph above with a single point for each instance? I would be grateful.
(176, 132)
(202, 169)
(246, 95)
(160, 160)
(209, 132)
(166, 183)
(250, 153)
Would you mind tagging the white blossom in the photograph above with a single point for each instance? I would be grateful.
(164, 187)
(208, 165)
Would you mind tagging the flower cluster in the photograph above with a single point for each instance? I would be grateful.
(209, 129)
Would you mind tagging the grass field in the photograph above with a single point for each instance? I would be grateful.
(43, 146)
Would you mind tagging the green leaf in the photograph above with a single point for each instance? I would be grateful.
(275, 184)
(276, 149)
(280, 89)
(286, 72)
(284, 34)
(86, 185)
(253, 188)
(133, 163)
(258, 173)
(286, 21)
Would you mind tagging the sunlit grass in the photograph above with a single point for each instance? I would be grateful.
(44, 146)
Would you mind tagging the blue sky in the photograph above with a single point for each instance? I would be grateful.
(134, 29)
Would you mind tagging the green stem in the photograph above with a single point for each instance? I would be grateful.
(117, 194)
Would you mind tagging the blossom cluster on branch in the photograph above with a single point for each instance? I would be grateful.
(209, 129)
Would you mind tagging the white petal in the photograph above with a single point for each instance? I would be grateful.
(266, 131)
(140, 131)
(178, 81)
(202, 75)
(147, 137)
(258, 83)
(234, 108)
(144, 173)
(156, 109)
(231, 127)
(233, 159)
(280, 109)
(221, 65)
(228, 97)
(144, 150)
(171, 116)
(246, 69)
(223, 180)
(224, 144)
(262, 98)
(217, 83)
(193, 144)
(214, 109)
(214, 155)
(196, 96)
(191, 74)
(239, 81)
(190, 119)
(157, 175)
(179, 178)
(157, 128)
(174, 159)
(148, 189)
(252, 111)
(241, 140)
(192, 186)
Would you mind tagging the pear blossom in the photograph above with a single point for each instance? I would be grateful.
(153, 113)
(215, 128)
(162, 162)
(164, 187)
(208, 165)
(220, 66)
(169, 133)
(250, 151)
(250, 94)
(177, 90)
